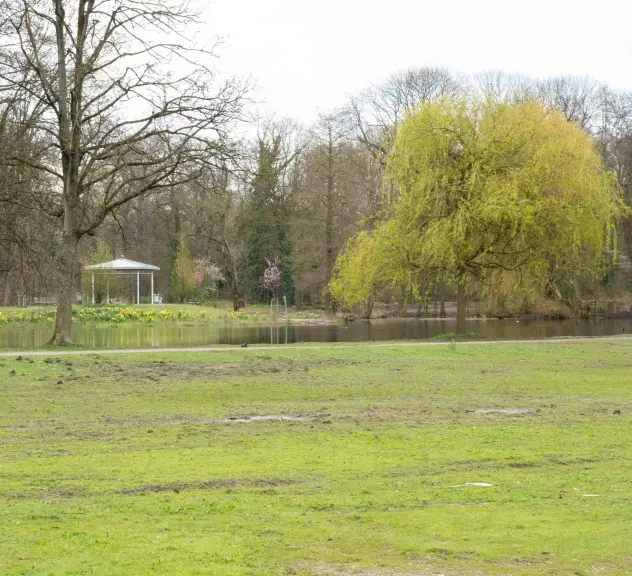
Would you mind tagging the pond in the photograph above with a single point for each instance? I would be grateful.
(160, 335)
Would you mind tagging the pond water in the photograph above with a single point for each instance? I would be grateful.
(180, 334)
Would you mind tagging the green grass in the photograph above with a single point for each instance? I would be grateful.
(121, 464)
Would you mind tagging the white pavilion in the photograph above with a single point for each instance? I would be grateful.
(124, 267)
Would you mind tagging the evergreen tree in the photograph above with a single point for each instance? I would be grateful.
(268, 215)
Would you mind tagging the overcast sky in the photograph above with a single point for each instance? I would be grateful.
(310, 55)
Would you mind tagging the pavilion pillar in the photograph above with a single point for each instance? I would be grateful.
(152, 287)
(137, 286)
(93, 287)
(107, 290)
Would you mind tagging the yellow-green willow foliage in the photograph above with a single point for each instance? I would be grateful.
(357, 270)
(486, 190)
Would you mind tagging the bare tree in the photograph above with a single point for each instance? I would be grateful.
(330, 198)
(503, 87)
(378, 111)
(329, 133)
(213, 217)
(24, 230)
(127, 103)
(577, 98)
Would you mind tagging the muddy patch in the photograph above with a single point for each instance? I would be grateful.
(257, 418)
(198, 421)
(219, 483)
(526, 464)
(175, 487)
(69, 433)
(421, 571)
(503, 411)
(253, 366)
(55, 493)
(170, 371)
(163, 371)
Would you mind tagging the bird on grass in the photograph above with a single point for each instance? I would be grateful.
(244, 345)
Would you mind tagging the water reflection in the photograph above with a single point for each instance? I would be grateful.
(179, 334)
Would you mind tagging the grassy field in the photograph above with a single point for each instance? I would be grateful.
(134, 465)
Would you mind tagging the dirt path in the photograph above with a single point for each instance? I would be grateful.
(265, 347)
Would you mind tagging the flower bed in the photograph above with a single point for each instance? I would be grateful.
(28, 316)
(243, 315)
(126, 313)
(115, 314)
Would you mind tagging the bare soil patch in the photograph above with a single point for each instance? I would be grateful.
(503, 411)
(205, 485)
(164, 371)
(421, 571)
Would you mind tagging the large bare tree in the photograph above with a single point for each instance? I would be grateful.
(128, 101)
(376, 114)
(332, 195)
(27, 237)
(379, 110)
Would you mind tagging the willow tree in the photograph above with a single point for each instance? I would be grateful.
(496, 192)
(357, 271)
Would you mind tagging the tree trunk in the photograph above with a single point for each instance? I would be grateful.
(329, 313)
(7, 288)
(329, 256)
(368, 308)
(230, 270)
(442, 312)
(460, 307)
(65, 297)
(403, 304)
(329, 232)
(238, 300)
(8, 281)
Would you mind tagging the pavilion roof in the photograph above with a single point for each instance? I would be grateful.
(121, 263)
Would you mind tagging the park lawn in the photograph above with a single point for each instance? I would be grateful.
(123, 465)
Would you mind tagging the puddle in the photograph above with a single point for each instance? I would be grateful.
(502, 411)
(480, 484)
